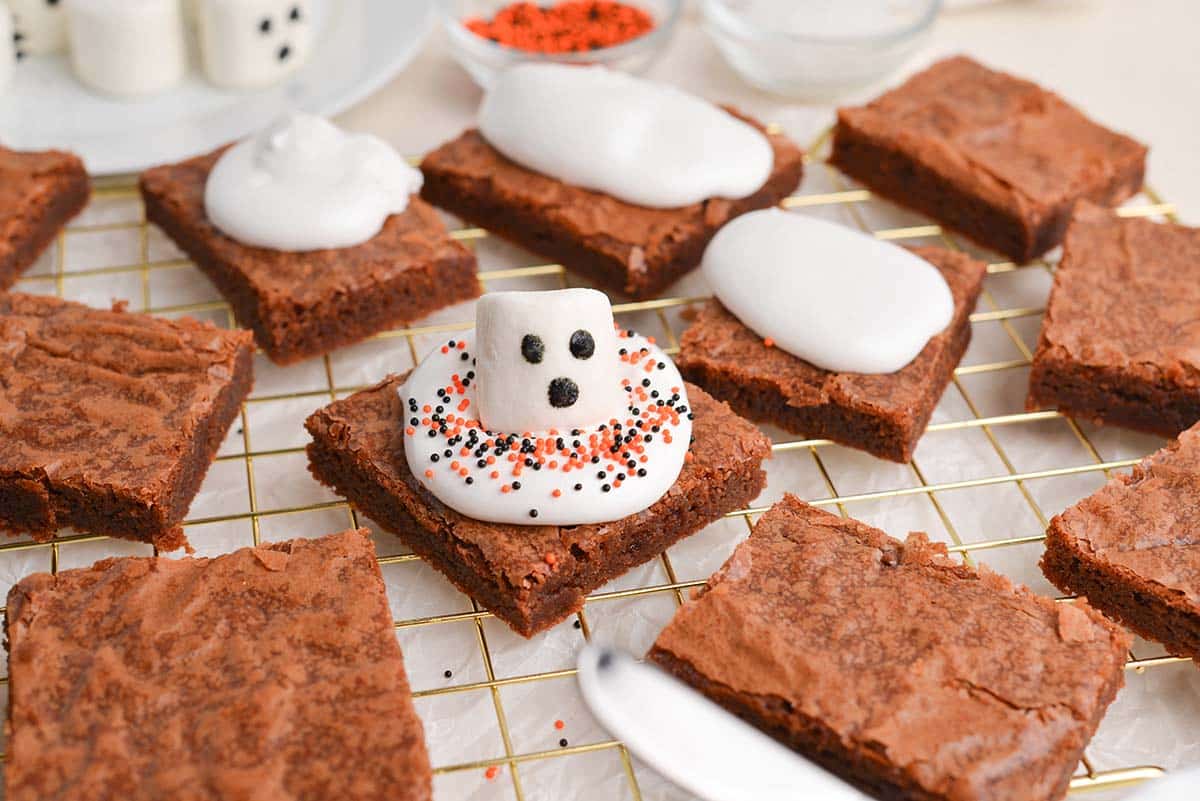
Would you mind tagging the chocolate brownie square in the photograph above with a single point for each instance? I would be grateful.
(109, 420)
(1133, 548)
(993, 156)
(895, 666)
(271, 673)
(1120, 341)
(531, 577)
(620, 246)
(305, 304)
(882, 414)
(39, 193)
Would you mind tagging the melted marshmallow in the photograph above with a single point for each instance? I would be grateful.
(842, 300)
(505, 490)
(304, 184)
(641, 142)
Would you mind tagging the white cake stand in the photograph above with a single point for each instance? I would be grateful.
(360, 45)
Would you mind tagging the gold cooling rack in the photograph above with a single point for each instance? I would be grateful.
(851, 199)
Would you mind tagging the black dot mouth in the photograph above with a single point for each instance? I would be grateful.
(563, 392)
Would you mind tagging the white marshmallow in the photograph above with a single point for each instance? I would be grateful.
(39, 26)
(127, 47)
(246, 44)
(8, 53)
(546, 360)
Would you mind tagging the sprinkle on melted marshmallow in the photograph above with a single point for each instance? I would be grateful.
(570, 477)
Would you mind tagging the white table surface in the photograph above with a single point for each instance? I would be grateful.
(1131, 65)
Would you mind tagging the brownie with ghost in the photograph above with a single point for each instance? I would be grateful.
(1133, 547)
(303, 304)
(882, 414)
(622, 247)
(894, 665)
(109, 420)
(39, 193)
(996, 157)
(529, 523)
(1120, 342)
(270, 673)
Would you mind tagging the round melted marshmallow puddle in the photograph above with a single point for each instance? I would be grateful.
(571, 477)
(642, 142)
(841, 300)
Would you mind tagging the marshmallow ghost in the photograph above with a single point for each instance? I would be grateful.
(127, 47)
(546, 360)
(246, 44)
(8, 53)
(39, 26)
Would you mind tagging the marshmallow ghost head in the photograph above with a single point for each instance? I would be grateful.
(546, 360)
(247, 44)
(39, 26)
(127, 47)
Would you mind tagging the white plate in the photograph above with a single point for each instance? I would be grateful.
(360, 45)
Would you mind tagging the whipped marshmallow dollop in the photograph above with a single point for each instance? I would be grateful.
(602, 419)
(304, 184)
(839, 299)
(641, 142)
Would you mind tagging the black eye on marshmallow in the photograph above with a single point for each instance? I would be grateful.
(532, 348)
(582, 344)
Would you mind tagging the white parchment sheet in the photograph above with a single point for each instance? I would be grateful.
(487, 695)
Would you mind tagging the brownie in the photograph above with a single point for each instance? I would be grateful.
(109, 420)
(302, 304)
(895, 666)
(1133, 548)
(996, 157)
(271, 673)
(883, 414)
(620, 246)
(1120, 342)
(531, 577)
(39, 193)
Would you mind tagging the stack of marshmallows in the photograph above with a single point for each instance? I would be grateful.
(136, 47)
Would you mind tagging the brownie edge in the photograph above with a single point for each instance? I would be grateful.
(39, 194)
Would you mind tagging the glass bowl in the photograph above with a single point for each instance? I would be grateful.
(817, 49)
(483, 58)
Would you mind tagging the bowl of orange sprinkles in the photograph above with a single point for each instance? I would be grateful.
(489, 36)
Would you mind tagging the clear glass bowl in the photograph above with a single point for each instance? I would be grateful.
(817, 49)
(483, 58)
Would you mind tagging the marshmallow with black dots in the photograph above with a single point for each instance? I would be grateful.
(546, 360)
(8, 52)
(127, 47)
(250, 44)
(39, 27)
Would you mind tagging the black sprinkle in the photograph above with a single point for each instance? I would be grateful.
(563, 741)
(533, 512)
(516, 485)
(578, 487)
(448, 674)
(578, 625)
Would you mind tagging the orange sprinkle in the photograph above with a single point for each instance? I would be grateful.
(770, 343)
(551, 559)
(491, 772)
(558, 724)
(428, 474)
(506, 489)
(687, 457)
(410, 431)
(557, 493)
(495, 474)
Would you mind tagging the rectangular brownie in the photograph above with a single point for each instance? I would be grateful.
(531, 577)
(882, 414)
(895, 666)
(1120, 342)
(109, 420)
(620, 246)
(993, 156)
(1133, 548)
(306, 304)
(271, 673)
(39, 193)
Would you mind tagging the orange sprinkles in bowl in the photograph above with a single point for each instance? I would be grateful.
(571, 26)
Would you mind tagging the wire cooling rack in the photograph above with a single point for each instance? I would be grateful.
(503, 719)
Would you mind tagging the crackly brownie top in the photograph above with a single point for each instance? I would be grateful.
(28, 181)
(414, 239)
(104, 398)
(369, 427)
(1125, 297)
(268, 673)
(1147, 522)
(956, 677)
(720, 340)
(1017, 143)
(599, 218)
